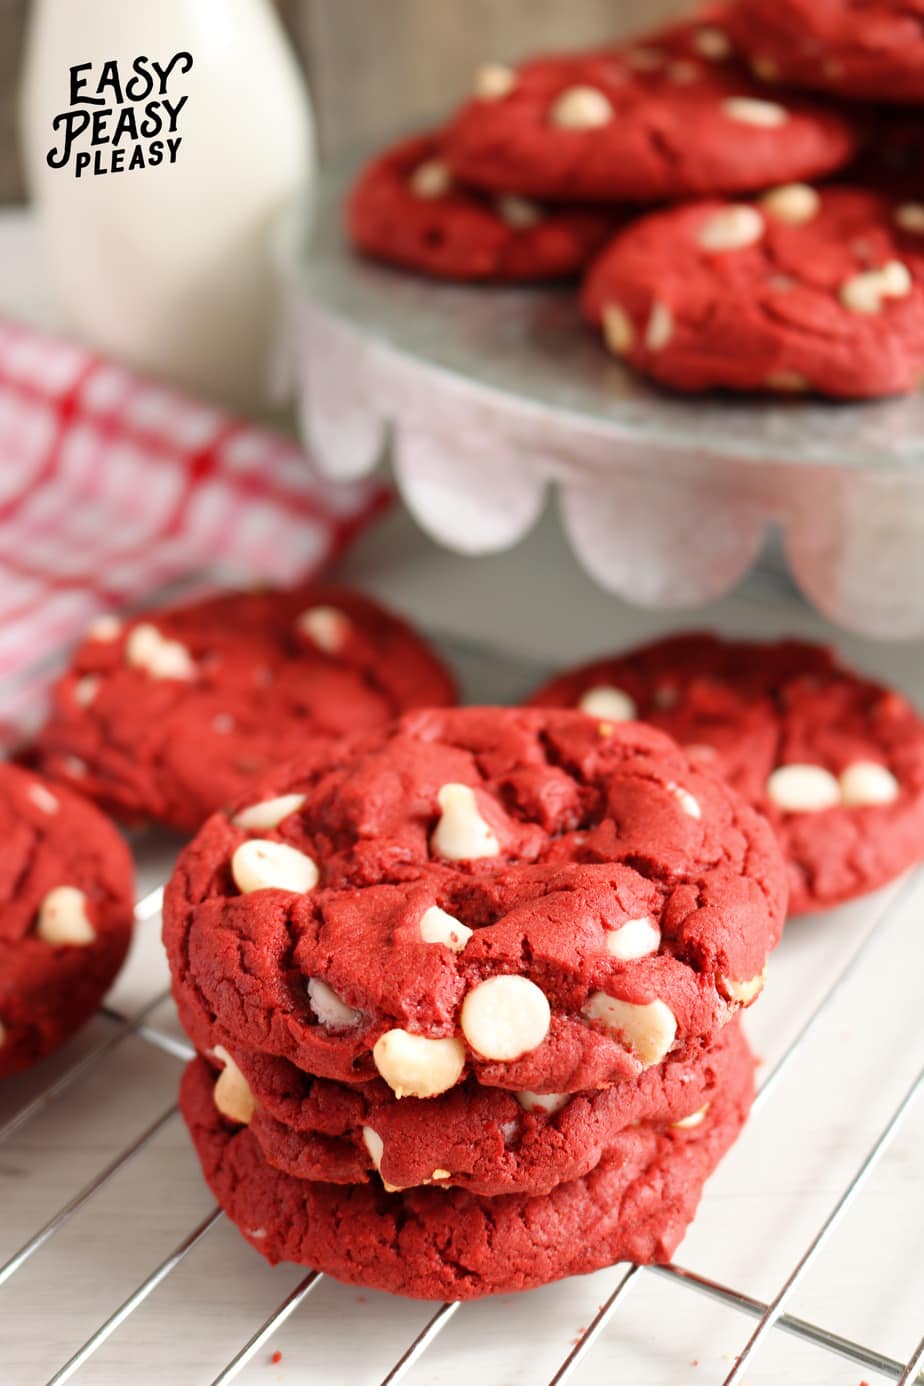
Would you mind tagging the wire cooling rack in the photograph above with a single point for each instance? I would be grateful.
(803, 1265)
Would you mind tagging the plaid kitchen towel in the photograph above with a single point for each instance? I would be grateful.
(114, 489)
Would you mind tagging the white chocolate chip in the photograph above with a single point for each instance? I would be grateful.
(732, 228)
(62, 918)
(436, 926)
(547, 1103)
(431, 179)
(864, 292)
(260, 864)
(327, 627)
(519, 213)
(694, 1119)
(645, 59)
(605, 701)
(375, 1145)
(105, 628)
(505, 1017)
(461, 833)
(803, 788)
(866, 782)
(86, 689)
(794, 203)
(328, 1007)
(376, 1148)
(648, 1030)
(493, 81)
(440, 1174)
(751, 110)
(581, 108)
(743, 992)
(43, 798)
(660, 327)
(685, 799)
(231, 1094)
(910, 217)
(896, 280)
(618, 329)
(637, 938)
(712, 43)
(787, 382)
(416, 1066)
(265, 816)
(257, 1233)
(147, 649)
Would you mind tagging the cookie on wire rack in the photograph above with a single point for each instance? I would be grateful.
(443, 1243)
(66, 914)
(168, 715)
(833, 760)
(614, 901)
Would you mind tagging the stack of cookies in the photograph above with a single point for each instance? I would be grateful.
(465, 995)
(545, 171)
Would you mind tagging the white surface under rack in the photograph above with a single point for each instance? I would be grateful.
(804, 1264)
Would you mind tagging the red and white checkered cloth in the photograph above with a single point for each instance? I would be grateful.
(113, 488)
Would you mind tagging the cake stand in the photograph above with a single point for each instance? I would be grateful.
(483, 399)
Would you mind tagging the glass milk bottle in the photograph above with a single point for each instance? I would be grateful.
(161, 142)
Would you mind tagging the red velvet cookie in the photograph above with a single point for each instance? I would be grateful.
(482, 1139)
(550, 903)
(806, 290)
(862, 49)
(66, 914)
(832, 759)
(448, 1244)
(170, 715)
(407, 209)
(671, 115)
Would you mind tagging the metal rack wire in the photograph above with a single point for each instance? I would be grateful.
(768, 1315)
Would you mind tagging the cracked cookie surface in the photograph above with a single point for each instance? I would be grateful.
(548, 902)
(66, 914)
(446, 1243)
(407, 209)
(670, 115)
(167, 716)
(806, 290)
(833, 760)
